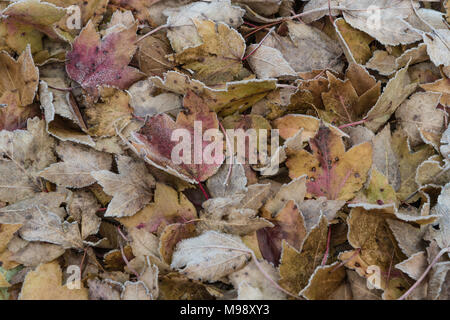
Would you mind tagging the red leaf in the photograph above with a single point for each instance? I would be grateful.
(153, 140)
(94, 62)
(288, 225)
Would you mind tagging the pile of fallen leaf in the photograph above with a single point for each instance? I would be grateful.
(360, 205)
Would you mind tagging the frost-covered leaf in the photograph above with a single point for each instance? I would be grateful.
(45, 283)
(183, 33)
(154, 141)
(18, 85)
(210, 256)
(25, 154)
(77, 164)
(94, 62)
(331, 171)
(131, 189)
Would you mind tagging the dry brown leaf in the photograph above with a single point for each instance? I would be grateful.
(131, 189)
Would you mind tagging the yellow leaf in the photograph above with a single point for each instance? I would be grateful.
(45, 283)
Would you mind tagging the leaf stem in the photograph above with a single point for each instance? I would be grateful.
(259, 44)
(325, 256)
(352, 124)
(152, 32)
(416, 284)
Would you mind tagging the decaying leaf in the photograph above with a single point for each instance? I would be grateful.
(224, 149)
(45, 283)
(24, 155)
(18, 87)
(168, 207)
(131, 189)
(297, 267)
(154, 141)
(210, 256)
(331, 171)
(94, 61)
(78, 163)
(218, 58)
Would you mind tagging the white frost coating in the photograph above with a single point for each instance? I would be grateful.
(210, 256)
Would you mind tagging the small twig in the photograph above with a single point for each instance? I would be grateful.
(153, 31)
(259, 44)
(251, 24)
(121, 234)
(352, 124)
(60, 89)
(390, 269)
(200, 185)
(82, 260)
(329, 12)
(416, 284)
(124, 257)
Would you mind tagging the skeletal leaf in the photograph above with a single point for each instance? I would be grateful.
(131, 189)
(210, 256)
